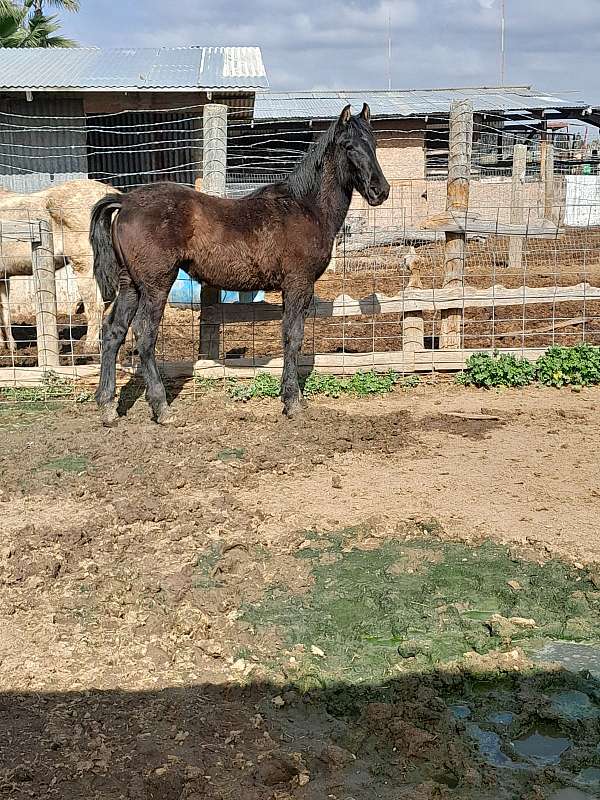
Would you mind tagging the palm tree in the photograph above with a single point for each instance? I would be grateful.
(27, 26)
(38, 5)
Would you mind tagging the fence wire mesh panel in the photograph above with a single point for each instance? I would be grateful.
(528, 278)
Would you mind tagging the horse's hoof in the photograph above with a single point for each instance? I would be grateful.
(166, 417)
(109, 414)
(293, 410)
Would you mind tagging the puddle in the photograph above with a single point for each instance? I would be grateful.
(460, 711)
(541, 749)
(590, 776)
(571, 794)
(573, 706)
(490, 747)
(501, 718)
(572, 656)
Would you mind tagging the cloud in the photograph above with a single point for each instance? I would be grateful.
(343, 43)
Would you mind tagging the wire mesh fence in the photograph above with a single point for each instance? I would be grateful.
(387, 269)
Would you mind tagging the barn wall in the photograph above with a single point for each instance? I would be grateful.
(42, 142)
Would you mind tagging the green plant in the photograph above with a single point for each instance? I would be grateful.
(51, 387)
(26, 25)
(489, 371)
(205, 385)
(409, 382)
(559, 366)
(361, 384)
(569, 366)
(263, 385)
(329, 385)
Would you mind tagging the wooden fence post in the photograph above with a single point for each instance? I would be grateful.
(515, 243)
(547, 164)
(457, 200)
(413, 326)
(214, 169)
(44, 283)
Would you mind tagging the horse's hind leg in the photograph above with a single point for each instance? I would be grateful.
(114, 332)
(295, 305)
(145, 327)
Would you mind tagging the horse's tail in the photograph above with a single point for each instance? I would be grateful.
(106, 264)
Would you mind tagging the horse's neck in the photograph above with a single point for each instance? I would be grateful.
(333, 199)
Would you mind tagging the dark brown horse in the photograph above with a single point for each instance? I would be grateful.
(278, 238)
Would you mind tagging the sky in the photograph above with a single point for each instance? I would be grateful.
(329, 44)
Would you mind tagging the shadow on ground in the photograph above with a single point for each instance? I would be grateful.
(444, 734)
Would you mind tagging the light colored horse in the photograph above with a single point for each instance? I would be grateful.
(68, 208)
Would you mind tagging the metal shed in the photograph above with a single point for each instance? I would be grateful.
(123, 116)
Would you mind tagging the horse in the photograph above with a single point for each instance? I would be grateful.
(279, 237)
(67, 206)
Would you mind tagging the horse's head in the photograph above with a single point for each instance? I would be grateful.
(356, 139)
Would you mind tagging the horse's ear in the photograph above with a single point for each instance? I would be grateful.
(345, 115)
(366, 113)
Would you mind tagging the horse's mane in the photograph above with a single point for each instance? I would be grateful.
(305, 178)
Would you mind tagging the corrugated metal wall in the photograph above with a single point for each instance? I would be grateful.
(133, 148)
(41, 142)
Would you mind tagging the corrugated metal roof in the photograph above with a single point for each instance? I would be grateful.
(407, 103)
(133, 68)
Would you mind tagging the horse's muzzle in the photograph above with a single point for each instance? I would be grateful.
(377, 196)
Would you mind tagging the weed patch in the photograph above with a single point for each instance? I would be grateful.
(71, 464)
(362, 384)
(576, 366)
(51, 387)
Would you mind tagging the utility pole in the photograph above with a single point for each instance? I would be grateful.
(502, 49)
(389, 53)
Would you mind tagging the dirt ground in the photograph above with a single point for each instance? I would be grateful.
(173, 623)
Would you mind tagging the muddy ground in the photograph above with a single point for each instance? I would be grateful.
(350, 606)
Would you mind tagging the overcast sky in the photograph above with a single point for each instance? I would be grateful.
(551, 44)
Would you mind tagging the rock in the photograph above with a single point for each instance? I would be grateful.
(336, 756)
(522, 622)
(211, 648)
(336, 482)
(278, 701)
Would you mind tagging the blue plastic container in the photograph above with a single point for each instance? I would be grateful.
(186, 294)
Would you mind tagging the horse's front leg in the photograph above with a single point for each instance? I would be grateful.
(295, 306)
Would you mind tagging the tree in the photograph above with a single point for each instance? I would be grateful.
(66, 5)
(27, 26)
